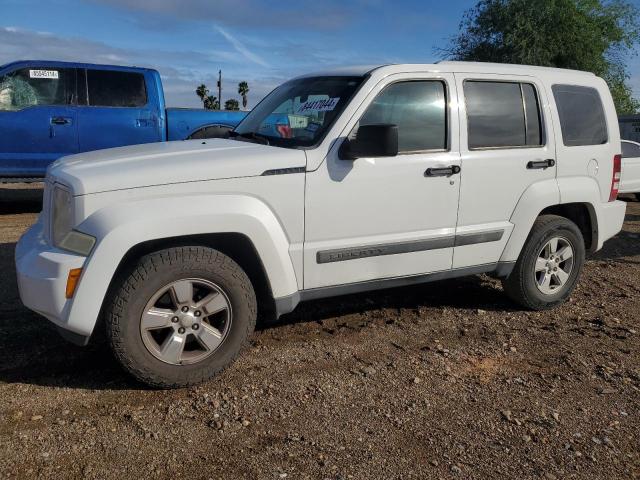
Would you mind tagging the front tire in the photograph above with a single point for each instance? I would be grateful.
(180, 316)
(549, 264)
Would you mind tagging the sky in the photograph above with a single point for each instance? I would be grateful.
(258, 41)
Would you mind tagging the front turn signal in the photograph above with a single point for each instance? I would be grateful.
(72, 281)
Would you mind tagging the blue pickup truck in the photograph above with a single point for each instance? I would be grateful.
(51, 109)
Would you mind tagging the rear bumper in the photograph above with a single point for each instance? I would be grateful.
(42, 272)
(610, 220)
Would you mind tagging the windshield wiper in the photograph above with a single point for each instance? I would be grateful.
(251, 136)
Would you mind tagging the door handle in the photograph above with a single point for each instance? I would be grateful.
(533, 164)
(60, 121)
(442, 171)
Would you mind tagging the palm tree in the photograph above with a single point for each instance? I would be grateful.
(243, 89)
(231, 104)
(202, 91)
(211, 103)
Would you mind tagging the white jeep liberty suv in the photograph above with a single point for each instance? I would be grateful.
(339, 182)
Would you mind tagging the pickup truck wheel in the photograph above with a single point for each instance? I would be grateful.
(180, 316)
(549, 265)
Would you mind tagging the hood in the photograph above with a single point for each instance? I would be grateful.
(169, 162)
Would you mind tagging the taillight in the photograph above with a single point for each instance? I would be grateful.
(284, 131)
(615, 179)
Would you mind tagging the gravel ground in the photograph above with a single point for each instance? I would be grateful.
(444, 380)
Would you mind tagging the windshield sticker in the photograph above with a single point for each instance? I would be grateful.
(325, 105)
(43, 74)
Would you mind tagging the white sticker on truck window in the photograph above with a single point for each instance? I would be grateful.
(325, 105)
(44, 74)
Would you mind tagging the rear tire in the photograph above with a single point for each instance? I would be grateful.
(180, 316)
(549, 265)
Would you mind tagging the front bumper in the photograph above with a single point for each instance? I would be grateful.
(42, 272)
(610, 220)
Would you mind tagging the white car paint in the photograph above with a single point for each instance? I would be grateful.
(130, 195)
(630, 182)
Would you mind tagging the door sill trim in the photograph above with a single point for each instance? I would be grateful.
(289, 303)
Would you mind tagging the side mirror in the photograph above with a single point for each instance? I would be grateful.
(379, 140)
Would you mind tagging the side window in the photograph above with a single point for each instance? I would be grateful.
(33, 86)
(581, 114)
(110, 88)
(502, 114)
(630, 150)
(418, 108)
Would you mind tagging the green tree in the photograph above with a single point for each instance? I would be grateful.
(591, 35)
(202, 92)
(232, 104)
(243, 90)
(211, 103)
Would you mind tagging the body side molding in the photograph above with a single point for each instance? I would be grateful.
(365, 251)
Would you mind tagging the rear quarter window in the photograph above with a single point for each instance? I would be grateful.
(581, 113)
(108, 88)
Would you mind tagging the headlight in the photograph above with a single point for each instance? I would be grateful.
(61, 215)
(62, 222)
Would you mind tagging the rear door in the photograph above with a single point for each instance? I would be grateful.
(505, 148)
(118, 109)
(38, 121)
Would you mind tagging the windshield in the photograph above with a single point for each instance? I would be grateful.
(299, 113)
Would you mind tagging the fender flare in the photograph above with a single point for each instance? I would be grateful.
(548, 193)
(533, 200)
(122, 226)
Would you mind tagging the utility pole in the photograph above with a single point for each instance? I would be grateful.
(219, 89)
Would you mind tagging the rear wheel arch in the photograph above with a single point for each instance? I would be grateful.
(583, 215)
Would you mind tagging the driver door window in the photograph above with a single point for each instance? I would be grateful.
(37, 86)
(418, 108)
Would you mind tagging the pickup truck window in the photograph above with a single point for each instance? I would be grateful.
(299, 112)
(33, 86)
(418, 108)
(502, 114)
(630, 150)
(110, 88)
(581, 114)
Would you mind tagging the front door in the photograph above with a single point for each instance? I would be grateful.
(381, 218)
(38, 121)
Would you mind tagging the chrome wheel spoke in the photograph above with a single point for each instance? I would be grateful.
(213, 303)
(541, 264)
(156, 318)
(545, 282)
(565, 253)
(182, 292)
(561, 277)
(172, 348)
(210, 337)
(553, 245)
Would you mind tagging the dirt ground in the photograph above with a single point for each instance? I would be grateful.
(444, 380)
